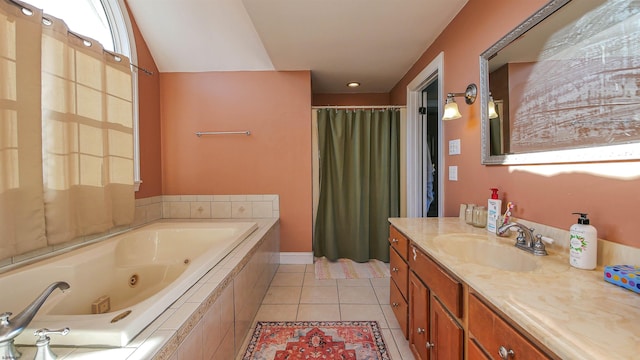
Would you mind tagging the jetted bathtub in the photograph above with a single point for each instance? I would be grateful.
(141, 272)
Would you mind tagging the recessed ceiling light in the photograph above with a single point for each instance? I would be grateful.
(353, 84)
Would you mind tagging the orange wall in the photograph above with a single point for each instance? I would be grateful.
(610, 201)
(148, 120)
(274, 159)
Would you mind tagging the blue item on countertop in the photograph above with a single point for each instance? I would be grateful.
(626, 276)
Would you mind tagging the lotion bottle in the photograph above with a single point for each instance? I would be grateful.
(494, 209)
(583, 244)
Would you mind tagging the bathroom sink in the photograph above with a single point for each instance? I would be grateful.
(477, 249)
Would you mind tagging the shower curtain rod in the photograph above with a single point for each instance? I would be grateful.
(359, 107)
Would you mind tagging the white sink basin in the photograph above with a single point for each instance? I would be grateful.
(477, 249)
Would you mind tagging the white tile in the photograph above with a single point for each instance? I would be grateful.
(170, 198)
(99, 354)
(179, 316)
(241, 210)
(221, 210)
(390, 316)
(287, 279)
(277, 312)
(357, 295)
(203, 292)
(282, 295)
(200, 209)
(204, 197)
(295, 268)
(188, 197)
(151, 345)
(319, 295)
(178, 210)
(270, 197)
(262, 209)
(221, 197)
(238, 197)
(318, 312)
(382, 293)
(403, 345)
(255, 198)
(310, 280)
(363, 312)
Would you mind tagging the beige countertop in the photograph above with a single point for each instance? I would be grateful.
(573, 312)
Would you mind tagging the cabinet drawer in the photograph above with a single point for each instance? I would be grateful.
(400, 308)
(492, 332)
(442, 285)
(399, 272)
(399, 242)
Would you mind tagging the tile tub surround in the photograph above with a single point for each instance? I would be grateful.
(166, 207)
(221, 305)
(573, 312)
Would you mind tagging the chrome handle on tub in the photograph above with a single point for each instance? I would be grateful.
(505, 354)
(44, 351)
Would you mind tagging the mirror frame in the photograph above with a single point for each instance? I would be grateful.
(628, 151)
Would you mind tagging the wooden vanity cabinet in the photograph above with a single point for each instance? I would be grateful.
(442, 317)
(399, 268)
(497, 338)
(435, 310)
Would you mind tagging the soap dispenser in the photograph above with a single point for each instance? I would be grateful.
(583, 244)
(494, 209)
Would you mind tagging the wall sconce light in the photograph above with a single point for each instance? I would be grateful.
(451, 108)
(492, 108)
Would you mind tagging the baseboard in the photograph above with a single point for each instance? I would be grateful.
(296, 257)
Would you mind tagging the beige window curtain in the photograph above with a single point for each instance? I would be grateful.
(81, 141)
(22, 226)
(87, 136)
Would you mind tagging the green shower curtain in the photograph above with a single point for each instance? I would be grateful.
(359, 183)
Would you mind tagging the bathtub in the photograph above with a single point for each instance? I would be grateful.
(142, 272)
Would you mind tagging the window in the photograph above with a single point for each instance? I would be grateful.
(108, 22)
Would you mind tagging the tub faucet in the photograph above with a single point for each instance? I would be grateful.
(9, 329)
(525, 240)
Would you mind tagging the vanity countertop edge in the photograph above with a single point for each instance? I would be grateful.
(573, 312)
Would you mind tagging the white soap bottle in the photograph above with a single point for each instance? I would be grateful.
(583, 244)
(494, 208)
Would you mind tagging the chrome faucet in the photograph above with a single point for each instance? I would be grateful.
(9, 329)
(525, 240)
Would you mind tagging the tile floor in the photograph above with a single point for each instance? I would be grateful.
(295, 294)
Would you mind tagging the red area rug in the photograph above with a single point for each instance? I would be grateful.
(340, 340)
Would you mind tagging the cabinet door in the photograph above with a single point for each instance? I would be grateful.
(446, 334)
(418, 317)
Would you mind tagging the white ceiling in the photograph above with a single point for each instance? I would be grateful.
(374, 42)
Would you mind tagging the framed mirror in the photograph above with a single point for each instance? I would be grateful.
(566, 85)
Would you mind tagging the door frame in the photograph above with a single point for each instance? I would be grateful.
(435, 70)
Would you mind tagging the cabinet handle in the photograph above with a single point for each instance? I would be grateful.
(394, 241)
(395, 269)
(420, 331)
(505, 354)
(430, 345)
(395, 304)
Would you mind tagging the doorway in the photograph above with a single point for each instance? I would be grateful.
(422, 130)
(430, 148)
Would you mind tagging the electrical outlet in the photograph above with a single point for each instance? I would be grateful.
(454, 147)
(453, 173)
